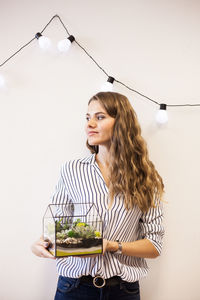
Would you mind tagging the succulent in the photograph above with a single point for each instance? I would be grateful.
(73, 234)
(60, 225)
(65, 226)
(80, 225)
(97, 234)
(61, 235)
(76, 222)
(78, 230)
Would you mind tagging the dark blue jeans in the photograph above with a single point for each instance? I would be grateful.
(74, 289)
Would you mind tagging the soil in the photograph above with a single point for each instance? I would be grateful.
(85, 243)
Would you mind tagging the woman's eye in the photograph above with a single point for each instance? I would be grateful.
(100, 117)
(87, 118)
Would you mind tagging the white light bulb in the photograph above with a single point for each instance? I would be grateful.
(2, 81)
(107, 87)
(161, 115)
(44, 43)
(64, 45)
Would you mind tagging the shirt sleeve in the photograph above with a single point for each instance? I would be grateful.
(151, 226)
(63, 204)
(61, 194)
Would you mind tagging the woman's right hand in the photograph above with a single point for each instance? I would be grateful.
(39, 249)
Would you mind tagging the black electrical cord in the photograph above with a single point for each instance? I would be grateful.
(97, 64)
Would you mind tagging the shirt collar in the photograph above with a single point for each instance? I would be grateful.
(89, 159)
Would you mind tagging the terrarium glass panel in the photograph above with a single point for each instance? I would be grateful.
(73, 229)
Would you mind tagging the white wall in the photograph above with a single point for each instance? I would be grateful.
(152, 46)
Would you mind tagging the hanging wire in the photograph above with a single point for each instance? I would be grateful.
(86, 52)
(97, 64)
(48, 23)
(176, 105)
(16, 52)
(1, 65)
(56, 16)
(131, 89)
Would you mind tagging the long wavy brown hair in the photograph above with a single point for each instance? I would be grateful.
(131, 173)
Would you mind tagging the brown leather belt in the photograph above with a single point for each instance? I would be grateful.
(100, 282)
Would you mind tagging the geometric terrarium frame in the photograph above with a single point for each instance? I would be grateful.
(73, 229)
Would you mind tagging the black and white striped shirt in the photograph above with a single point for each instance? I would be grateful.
(81, 181)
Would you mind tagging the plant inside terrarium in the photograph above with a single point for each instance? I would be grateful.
(78, 234)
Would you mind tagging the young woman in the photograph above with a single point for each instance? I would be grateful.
(126, 188)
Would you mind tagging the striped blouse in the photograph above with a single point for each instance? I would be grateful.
(81, 181)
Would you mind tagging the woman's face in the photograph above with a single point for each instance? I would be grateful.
(99, 126)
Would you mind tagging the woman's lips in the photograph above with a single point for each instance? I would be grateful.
(92, 132)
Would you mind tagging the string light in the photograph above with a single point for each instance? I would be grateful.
(64, 45)
(161, 115)
(46, 45)
(108, 85)
(43, 41)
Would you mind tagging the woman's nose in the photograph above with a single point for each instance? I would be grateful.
(91, 123)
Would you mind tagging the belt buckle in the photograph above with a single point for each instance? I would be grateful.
(101, 283)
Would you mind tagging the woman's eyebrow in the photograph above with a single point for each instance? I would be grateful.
(97, 113)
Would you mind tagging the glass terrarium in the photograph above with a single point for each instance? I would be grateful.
(73, 229)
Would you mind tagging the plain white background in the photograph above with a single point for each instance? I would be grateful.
(152, 46)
